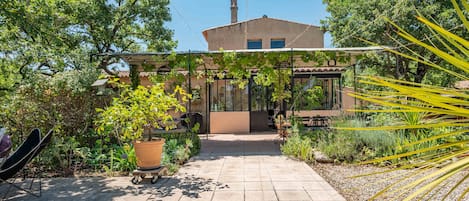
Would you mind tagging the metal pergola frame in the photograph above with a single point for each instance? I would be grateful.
(135, 59)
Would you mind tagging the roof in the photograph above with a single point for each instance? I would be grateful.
(126, 74)
(357, 50)
(149, 57)
(204, 32)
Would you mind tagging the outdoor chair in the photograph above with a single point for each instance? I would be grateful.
(20, 158)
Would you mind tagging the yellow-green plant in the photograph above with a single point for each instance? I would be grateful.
(139, 110)
(449, 107)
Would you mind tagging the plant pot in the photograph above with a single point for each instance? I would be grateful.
(149, 153)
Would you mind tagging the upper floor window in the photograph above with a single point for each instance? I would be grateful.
(277, 43)
(255, 44)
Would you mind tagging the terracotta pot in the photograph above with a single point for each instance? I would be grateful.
(149, 153)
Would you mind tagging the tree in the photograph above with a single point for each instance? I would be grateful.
(446, 163)
(353, 23)
(122, 26)
(50, 36)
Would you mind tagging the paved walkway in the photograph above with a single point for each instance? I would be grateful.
(230, 167)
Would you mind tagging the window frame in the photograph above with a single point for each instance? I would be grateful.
(221, 103)
(277, 40)
(252, 41)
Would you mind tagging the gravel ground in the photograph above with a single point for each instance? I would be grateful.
(363, 188)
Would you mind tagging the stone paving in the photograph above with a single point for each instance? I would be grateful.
(230, 167)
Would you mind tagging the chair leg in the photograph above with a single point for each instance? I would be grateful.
(29, 191)
(9, 188)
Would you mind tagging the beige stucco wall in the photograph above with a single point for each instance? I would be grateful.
(229, 122)
(235, 36)
(348, 102)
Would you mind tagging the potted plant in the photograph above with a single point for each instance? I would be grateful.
(132, 116)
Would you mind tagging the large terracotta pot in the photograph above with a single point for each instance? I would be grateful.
(149, 153)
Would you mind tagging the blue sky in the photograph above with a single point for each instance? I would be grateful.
(190, 17)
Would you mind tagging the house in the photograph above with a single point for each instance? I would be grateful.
(264, 33)
(307, 69)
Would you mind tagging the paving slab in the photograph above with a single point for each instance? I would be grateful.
(242, 173)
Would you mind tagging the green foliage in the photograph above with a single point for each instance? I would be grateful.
(338, 146)
(446, 109)
(298, 147)
(356, 145)
(176, 153)
(56, 35)
(63, 154)
(354, 23)
(97, 155)
(124, 158)
(65, 100)
(272, 68)
(183, 137)
(141, 109)
(307, 97)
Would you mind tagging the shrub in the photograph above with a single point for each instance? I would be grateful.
(339, 146)
(183, 137)
(298, 147)
(65, 101)
(123, 158)
(176, 153)
(350, 145)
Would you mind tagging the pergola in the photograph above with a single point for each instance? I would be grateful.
(300, 61)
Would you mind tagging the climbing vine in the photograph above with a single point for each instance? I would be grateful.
(270, 68)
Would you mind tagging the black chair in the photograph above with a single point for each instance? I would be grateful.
(44, 142)
(21, 157)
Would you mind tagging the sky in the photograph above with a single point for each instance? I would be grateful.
(191, 17)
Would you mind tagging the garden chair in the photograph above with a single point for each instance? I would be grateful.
(20, 158)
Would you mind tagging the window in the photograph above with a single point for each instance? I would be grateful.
(277, 43)
(316, 93)
(255, 44)
(228, 97)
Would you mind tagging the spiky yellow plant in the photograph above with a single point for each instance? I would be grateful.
(449, 107)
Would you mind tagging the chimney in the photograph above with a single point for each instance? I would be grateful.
(234, 11)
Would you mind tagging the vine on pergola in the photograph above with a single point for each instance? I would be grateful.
(271, 68)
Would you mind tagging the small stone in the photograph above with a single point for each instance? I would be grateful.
(321, 158)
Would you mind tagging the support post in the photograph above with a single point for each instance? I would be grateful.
(292, 84)
(355, 83)
(340, 92)
(190, 88)
(207, 105)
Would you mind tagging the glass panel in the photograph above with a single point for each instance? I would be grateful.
(228, 97)
(254, 44)
(260, 98)
(316, 93)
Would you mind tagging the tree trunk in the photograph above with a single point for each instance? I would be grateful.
(422, 70)
(134, 76)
